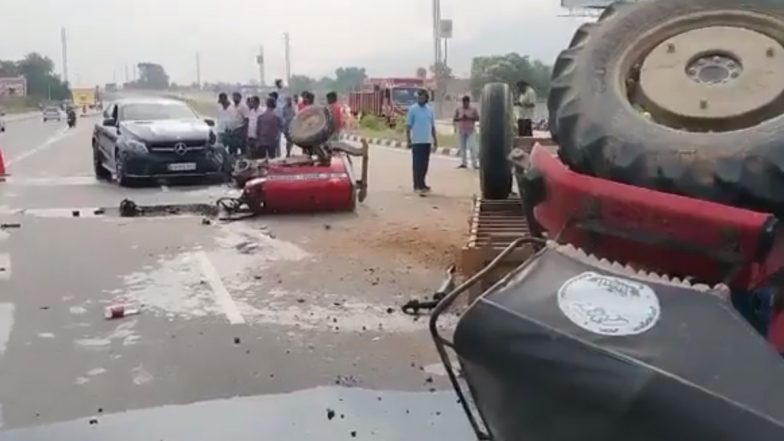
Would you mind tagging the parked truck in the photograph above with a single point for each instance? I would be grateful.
(388, 98)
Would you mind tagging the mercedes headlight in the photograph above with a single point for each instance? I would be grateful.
(136, 146)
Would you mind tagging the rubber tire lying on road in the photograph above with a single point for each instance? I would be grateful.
(495, 141)
(312, 126)
(601, 134)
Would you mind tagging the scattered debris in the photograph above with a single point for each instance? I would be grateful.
(75, 213)
(300, 300)
(43, 307)
(236, 340)
(390, 310)
(330, 414)
(353, 433)
(412, 307)
(429, 380)
(99, 211)
(93, 421)
(205, 221)
(6, 226)
(346, 380)
(327, 226)
(119, 311)
(100, 410)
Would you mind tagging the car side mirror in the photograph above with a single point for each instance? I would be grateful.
(109, 122)
(210, 122)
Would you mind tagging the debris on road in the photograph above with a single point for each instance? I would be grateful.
(129, 208)
(236, 340)
(412, 307)
(119, 311)
(330, 414)
(206, 221)
(99, 211)
(7, 226)
(75, 213)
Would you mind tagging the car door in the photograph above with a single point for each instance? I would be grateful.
(108, 133)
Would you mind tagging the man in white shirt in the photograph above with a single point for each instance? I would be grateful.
(238, 112)
(524, 108)
(253, 119)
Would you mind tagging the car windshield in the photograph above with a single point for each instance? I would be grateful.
(404, 96)
(51, 109)
(155, 111)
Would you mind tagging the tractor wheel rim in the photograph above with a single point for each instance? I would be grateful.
(716, 78)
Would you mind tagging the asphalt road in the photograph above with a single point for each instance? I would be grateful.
(279, 318)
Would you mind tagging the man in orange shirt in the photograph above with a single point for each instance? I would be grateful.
(337, 112)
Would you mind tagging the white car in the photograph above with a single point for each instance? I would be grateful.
(52, 114)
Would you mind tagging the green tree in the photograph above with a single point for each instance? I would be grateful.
(510, 68)
(301, 83)
(152, 76)
(349, 78)
(39, 73)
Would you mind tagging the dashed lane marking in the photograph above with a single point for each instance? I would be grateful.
(219, 292)
(62, 134)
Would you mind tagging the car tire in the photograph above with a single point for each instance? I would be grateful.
(710, 150)
(119, 171)
(312, 126)
(495, 141)
(101, 173)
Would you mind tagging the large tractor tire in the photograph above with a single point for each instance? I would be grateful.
(312, 126)
(495, 141)
(678, 96)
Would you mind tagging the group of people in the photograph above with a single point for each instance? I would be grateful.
(256, 130)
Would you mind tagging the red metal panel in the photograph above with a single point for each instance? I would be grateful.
(657, 231)
(306, 189)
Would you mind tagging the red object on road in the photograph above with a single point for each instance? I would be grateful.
(304, 188)
(3, 173)
(120, 311)
(666, 233)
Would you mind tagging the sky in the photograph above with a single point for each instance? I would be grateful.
(388, 38)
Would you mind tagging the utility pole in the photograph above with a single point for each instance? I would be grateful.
(127, 78)
(287, 43)
(64, 42)
(260, 62)
(198, 70)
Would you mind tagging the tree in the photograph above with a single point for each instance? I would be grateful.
(301, 83)
(349, 78)
(510, 69)
(441, 70)
(39, 74)
(152, 76)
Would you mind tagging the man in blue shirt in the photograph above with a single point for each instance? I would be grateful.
(421, 136)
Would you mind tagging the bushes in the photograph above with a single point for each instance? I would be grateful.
(373, 122)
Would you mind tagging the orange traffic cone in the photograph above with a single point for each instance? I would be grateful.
(3, 174)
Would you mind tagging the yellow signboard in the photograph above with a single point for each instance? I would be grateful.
(83, 97)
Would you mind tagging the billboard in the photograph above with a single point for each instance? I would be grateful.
(586, 4)
(13, 86)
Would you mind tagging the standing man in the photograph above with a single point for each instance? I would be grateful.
(268, 130)
(524, 108)
(253, 118)
(239, 117)
(225, 120)
(282, 93)
(288, 113)
(421, 137)
(466, 117)
(337, 113)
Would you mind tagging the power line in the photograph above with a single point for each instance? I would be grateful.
(64, 41)
(287, 43)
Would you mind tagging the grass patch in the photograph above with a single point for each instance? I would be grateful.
(443, 140)
(11, 105)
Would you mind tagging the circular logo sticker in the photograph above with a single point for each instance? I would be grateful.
(609, 305)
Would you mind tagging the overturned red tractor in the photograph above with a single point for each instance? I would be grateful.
(645, 312)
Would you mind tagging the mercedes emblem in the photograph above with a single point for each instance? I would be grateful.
(180, 148)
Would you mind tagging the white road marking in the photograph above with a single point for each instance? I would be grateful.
(6, 323)
(219, 292)
(62, 134)
(59, 181)
(5, 266)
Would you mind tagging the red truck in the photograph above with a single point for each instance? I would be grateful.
(386, 97)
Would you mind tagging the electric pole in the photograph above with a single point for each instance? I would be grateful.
(64, 42)
(198, 70)
(287, 43)
(260, 62)
(127, 78)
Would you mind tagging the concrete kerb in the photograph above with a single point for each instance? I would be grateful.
(446, 151)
